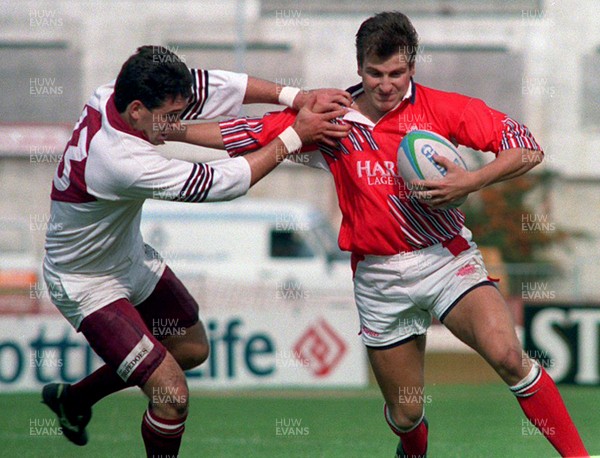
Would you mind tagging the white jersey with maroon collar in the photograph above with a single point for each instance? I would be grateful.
(108, 170)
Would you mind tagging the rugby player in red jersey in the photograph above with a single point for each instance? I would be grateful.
(111, 286)
(413, 258)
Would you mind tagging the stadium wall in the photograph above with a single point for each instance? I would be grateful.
(554, 49)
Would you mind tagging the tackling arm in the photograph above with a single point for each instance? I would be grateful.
(262, 91)
(222, 93)
(152, 176)
(309, 127)
(205, 134)
(210, 134)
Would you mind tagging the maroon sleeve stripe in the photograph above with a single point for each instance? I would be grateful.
(197, 185)
(206, 186)
(189, 191)
(199, 95)
(204, 91)
(202, 185)
(187, 183)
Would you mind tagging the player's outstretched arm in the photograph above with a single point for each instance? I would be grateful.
(152, 176)
(205, 134)
(210, 134)
(326, 99)
(263, 91)
(308, 128)
(221, 93)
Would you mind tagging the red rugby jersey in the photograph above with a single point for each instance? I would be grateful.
(378, 215)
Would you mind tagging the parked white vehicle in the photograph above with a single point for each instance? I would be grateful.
(250, 241)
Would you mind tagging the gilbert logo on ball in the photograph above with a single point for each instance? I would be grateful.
(416, 157)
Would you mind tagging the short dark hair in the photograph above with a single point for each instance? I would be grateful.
(385, 34)
(152, 75)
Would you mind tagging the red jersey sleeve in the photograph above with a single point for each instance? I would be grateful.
(243, 135)
(472, 123)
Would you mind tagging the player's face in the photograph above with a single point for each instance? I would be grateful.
(385, 81)
(157, 123)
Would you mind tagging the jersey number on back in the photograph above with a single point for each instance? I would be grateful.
(69, 180)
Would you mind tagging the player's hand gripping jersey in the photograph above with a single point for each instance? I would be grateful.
(379, 215)
(108, 170)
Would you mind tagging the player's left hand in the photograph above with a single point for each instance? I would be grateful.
(315, 126)
(439, 193)
(325, 99)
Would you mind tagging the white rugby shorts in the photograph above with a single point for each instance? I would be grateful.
(79, 295)
(397, 295)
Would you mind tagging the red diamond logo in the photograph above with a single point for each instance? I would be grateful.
(321, 346)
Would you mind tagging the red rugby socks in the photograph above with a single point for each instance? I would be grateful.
(540, 400)
(414, 441)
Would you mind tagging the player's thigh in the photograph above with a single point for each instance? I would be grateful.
(117, 333)
(190, 349)
(400, 374)
(172, 315)
(482, 320)
(387, 314)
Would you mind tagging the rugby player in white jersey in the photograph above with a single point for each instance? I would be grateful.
(101, 276)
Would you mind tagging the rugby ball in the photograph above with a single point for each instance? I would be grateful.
(415, 158)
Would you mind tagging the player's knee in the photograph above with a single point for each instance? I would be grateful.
(406, 417)
(167, 389)
(510, 362)
(170, 401)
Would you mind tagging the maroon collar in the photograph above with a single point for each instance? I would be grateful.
(115, 120)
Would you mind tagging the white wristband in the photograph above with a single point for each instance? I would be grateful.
(287, 96)
(290, 139)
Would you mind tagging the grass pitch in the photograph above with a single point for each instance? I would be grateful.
(465, 421)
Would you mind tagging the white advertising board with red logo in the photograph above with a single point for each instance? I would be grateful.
(288, 345)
